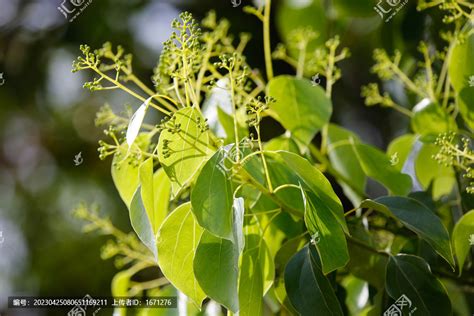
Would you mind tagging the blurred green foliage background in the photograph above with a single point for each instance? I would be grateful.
(46, 118)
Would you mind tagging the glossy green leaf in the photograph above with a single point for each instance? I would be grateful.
(312, 179)
(125, 170)
(155, 192)
(300, 107)
(411, 276)
(141, 222)
(284, 254)
(280, 174)
(216, 269)
(184, 146)
(377, 165)
(326, 233)
(211, 197)
(136, 122)
(429, 119)
(418, 218)
(177, 242)
(308, 289)
(463, 238)
(238, 210)
(344, 160)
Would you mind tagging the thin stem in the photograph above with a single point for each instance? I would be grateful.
(150, 92)
(301, 61)
(121, 86)
(284, 186)
(266, 40)
(351, 211)
(234, 112)
(264, 160)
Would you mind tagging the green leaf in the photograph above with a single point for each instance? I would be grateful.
(120, 283)
(401, 148)
(326, 233)
(419, 219)
(282, 143)
(463, 238)
(280, 174)
(211, 197)
(155, 192)
(184, 146)
(300, 107)
(282, 257)
(141, 222)
(344, 160)
(465, 103)
(238, 210)
(177, 242)
(251, 284)
(430, 172)
(308, 289)
(461, 68)
(458, 298)
(251, 279)
(136, 122)
(461, 64)
(119, 287)
(377, 166)
(216, 269)
(429, 119)
(125, 170)
(312, 179)
(411, 276)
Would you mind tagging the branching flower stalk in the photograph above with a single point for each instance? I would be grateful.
(455, 9)
(457, 152)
